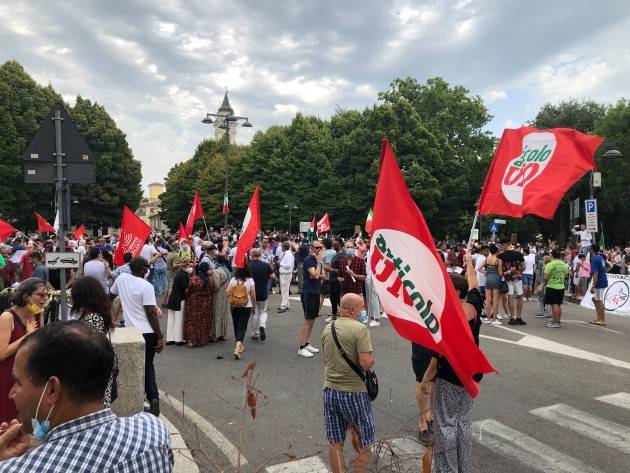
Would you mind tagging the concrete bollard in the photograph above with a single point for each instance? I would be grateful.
(128, 345)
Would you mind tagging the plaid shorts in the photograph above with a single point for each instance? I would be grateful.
(342, 409)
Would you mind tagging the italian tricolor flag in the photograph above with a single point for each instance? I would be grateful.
(368, 223)
(311, 233)
(226, 205)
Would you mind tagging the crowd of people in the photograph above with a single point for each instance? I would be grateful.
(195, 284)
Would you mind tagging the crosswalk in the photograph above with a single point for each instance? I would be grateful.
(520, 447)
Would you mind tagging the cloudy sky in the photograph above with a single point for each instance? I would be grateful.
(158, 66)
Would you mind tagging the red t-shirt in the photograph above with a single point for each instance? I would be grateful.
(27, 266)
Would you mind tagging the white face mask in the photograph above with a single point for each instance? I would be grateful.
(188, 270)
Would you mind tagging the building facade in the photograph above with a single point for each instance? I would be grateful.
(150, 208)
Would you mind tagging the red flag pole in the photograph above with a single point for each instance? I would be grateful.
(473, 228)
(205, 226)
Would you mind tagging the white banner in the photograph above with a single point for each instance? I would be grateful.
(616, 295)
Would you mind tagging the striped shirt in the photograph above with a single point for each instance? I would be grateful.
(100, 442)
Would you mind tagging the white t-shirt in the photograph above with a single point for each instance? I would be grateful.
(249, 283)
(148, 251)
(481, 277)
(232, 254)
(96, 269)
(134, 294)
(585, 237)
(287, 262)
(530, 262)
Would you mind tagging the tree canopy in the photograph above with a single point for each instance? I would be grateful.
(23, 106)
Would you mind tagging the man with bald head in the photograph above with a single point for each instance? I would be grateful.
(346, 401)
(261, 273)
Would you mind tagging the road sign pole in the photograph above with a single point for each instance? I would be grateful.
(61, 205)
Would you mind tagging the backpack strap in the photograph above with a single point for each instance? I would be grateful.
(351, 364)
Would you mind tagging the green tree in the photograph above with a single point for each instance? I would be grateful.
(23, 106)
(614, 195)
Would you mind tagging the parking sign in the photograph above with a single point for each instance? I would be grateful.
(591, 215)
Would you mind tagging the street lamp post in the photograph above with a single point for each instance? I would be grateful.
(291, 207)
(610, 152)
(228, 120)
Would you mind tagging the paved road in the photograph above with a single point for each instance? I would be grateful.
(560, 402)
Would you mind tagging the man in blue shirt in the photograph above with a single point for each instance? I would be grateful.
(61, 372)
(600, 283)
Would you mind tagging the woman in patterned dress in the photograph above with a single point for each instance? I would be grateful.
(222, 315)
(198, 319)
(91, 304)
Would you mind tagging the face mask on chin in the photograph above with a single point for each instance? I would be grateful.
(40, 429)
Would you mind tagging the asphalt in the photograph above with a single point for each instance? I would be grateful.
(289, 420)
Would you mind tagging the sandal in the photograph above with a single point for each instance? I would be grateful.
(595, 322)
(426, 437)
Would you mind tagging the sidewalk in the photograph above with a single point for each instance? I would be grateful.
(184, 461)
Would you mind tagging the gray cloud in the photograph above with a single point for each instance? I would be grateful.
(159, 66)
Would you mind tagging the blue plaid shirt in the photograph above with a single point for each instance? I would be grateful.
(100, 442)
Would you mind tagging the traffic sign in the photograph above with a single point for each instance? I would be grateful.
(591, 215)
(475, 234)
(63, 260)
(40, 160)
(500, 221)
(494, 227)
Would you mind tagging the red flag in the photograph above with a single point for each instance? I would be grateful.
(78, 233)
(226, 205)
(195, 213)
(43, 225)
(411, 281)
(533, 169)
(6, 230)
(181, 233)
(251, 227)
(323, 225)
(133, 234)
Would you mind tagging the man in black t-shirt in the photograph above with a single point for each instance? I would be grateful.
(513, 266)
(313, 273)
(261, 273)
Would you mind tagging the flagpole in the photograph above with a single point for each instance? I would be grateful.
(205, 226)
(473, 229)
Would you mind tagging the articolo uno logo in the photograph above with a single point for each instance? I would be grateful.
(402, 284)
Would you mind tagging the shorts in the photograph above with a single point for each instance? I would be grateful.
(599, 294)
(515, 288)
(310, 305)
(528, 280)
(554, 296)
(420, 367)
(342, 409)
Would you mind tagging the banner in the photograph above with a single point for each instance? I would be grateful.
(323, 225)
(616, 295)
(6, 230)
(42, 224)
(133, 234)
(411, 280)
(533, 169)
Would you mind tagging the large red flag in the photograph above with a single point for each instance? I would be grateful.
(533, 169)
(195, 213)
(413, 286)
(6, 230)
(251, 227)
(78, 233)
(133, 234)
(323, 225)
(43, 225)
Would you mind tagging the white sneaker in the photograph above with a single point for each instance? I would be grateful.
(375, 323)
(305, 353)
(311, 348)
(496, 322)
(383, 314)
(328, 319)
(502, 316)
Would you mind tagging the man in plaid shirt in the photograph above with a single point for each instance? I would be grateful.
(61, 372)
(351, 273)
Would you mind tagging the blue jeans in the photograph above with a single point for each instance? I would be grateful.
(160, 281)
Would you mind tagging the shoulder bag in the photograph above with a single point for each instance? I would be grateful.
(369, 377)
